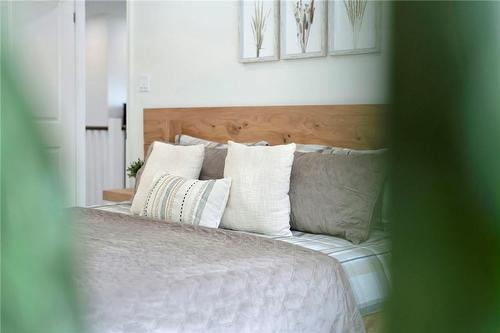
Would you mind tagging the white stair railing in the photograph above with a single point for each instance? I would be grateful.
(105, 159)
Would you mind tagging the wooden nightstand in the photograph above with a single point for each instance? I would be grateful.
(119, 194)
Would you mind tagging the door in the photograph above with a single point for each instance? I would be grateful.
(41, 38)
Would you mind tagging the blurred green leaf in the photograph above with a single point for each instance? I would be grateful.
(38, 293)
(446, 168)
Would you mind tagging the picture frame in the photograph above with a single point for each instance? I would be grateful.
(300, 36)
(354, 31)
(258, 30)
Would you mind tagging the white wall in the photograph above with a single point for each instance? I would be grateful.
(190, 50)
(117, 65)
(96, 49)
(106, 61)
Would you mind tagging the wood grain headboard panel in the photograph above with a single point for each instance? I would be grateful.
(350, 126)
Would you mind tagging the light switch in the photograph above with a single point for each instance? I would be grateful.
(144, 83)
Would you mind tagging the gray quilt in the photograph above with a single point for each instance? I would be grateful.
(140, 275)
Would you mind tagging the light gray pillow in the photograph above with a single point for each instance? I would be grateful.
(187, 140)
(335, 193)
(379, 220)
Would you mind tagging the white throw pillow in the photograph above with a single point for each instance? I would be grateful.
(258, 200)
(181, 161)
(182, 200)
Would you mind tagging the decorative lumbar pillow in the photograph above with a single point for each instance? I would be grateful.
(187, 140)
(258, 200)
(335, 193)
(182, 200)
(182, 161)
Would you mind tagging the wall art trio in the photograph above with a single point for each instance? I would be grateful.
(291, 29)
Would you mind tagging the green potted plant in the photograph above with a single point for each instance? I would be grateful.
(134, 168)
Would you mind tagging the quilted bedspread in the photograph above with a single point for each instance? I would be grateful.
(140, 275)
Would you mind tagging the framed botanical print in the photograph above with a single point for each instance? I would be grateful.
(259, 30)
(303, 28)
(354, 26)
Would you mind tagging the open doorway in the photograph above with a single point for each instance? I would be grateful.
(106, 96)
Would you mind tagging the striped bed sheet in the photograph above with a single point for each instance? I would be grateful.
(366, 265)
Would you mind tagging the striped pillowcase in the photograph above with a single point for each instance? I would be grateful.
(301, 148)
(187, 140)
(191, 201)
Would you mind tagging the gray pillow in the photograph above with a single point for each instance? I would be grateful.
(376, 222)
(213, 164)
(386, 206)
(335, 194)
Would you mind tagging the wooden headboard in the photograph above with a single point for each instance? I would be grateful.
(350, 126)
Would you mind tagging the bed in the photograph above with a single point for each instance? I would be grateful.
(303, 282)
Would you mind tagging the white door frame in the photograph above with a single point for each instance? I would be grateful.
(80, 101)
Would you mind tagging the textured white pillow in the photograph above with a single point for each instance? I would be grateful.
(258, 200)
(182, 200)
(182, 161)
